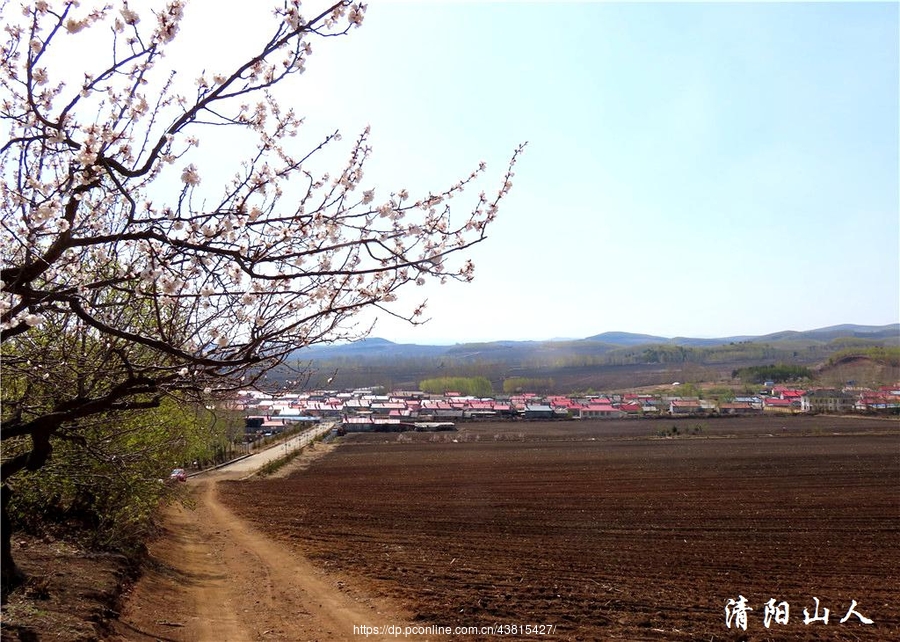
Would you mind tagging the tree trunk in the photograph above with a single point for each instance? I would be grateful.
(12, 577)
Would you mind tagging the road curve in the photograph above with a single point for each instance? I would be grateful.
(213, 576)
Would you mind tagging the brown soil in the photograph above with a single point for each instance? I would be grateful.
(210, 576)
(603, 530)
(69, 594)
(598, 530)
(215, 577)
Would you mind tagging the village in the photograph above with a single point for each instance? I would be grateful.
(365, 410)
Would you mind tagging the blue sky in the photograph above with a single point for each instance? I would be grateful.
(702, 169)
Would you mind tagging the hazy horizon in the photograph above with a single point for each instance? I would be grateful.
(441, 342)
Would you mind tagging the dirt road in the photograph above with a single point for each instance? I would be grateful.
(214, 577)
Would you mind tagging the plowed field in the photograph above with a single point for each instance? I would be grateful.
(606, 530)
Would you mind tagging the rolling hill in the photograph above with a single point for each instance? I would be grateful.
(600, 361)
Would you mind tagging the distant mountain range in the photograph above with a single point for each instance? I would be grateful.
(822, 334)
(378, 348)
(607, 361)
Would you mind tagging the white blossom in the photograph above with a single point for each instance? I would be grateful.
(277, 256)
(44, 213)
(356, 14)
(170, 285)
(74, 26)
(190, 176)
(33, 320)
(129, 16)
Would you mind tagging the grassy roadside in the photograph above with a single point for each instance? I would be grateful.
(277, 464)
(73, 592)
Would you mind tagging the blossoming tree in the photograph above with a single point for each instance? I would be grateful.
(112, 240)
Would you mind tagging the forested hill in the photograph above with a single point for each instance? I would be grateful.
(376, 361)
(817, 344)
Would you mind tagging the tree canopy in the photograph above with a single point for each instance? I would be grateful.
(126, 277)
(468, 386)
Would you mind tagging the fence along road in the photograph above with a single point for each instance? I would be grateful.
(249, 465)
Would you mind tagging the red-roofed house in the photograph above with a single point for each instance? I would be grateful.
(775, 404)
(787, 393)
(869, 401)
(685, 407)
(632, 408)
(564, 405)
(598, 411)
